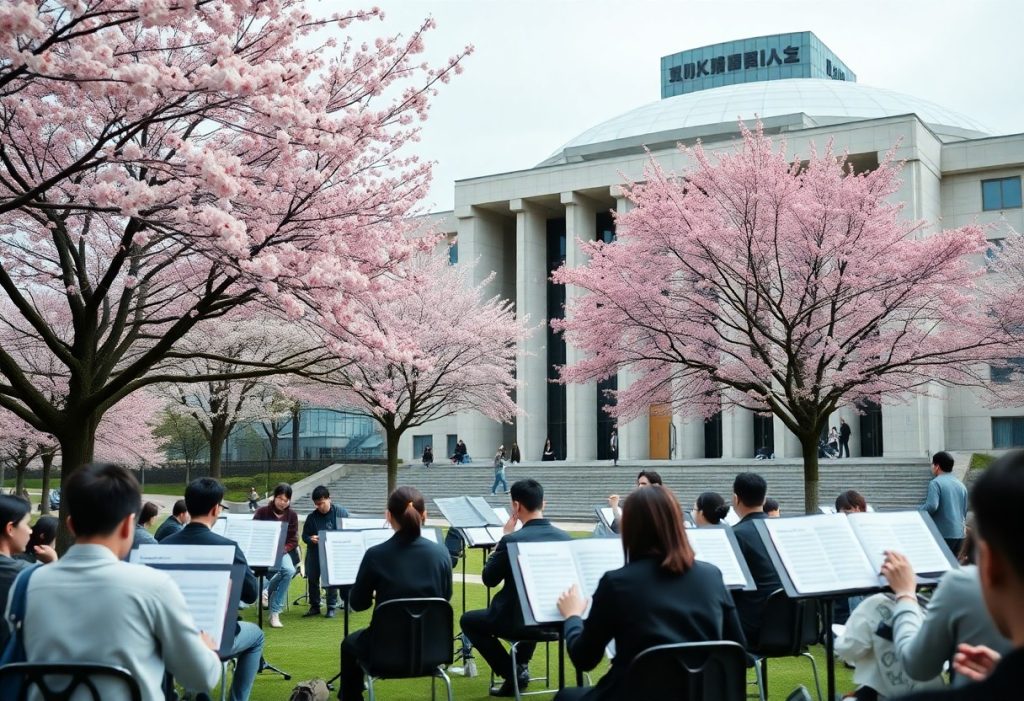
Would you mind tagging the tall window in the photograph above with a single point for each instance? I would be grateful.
(453, 253)
(556, 242)
(1000, 193)
(605, 231)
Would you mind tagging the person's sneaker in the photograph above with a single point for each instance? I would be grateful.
(312, 612)
(266, 600)
(523, 672)
(275, 621)
(331, 613)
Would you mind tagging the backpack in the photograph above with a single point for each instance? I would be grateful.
(313, 690)
(456, 548)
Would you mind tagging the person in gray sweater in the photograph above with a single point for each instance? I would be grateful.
(956, 614)
(946, 501)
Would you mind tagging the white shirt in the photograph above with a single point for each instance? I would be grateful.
(91, 607)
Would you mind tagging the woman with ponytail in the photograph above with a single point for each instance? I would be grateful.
(710, 509)
(405, 566)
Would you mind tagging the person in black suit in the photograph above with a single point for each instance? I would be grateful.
(748, 494)
(202, 499)
(504, 618)
(996, 500)
(661, 596)
(174, 523)
(406, 566)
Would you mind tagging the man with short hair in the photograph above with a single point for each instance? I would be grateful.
(202, 499)
(748, 496)
(173, 523)
(946, 501)
(504, 618)
(323, 518)
(996, 500)
(844, 438)
(134, 616)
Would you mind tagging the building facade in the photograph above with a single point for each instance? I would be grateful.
(522, 225)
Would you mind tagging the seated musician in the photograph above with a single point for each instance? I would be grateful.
(406, 566)
(661, 596)
(748, 498)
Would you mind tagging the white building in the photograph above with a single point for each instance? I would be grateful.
(523, 224)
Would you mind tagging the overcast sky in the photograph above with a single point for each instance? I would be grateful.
(546, 70)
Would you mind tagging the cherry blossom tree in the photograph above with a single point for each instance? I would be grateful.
(783, 287)
(165, 163)
(428, 346)
(1005, 292)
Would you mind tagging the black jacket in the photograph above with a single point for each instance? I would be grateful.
(750, 604)
(504, 611)
(317, 522)
(1004, 684)
(640, 605)
(168, 527)
(199, 534)
(402, 568)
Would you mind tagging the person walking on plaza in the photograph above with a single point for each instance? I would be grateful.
(613, 445)
(499, 471)
(946, 501)
(844, 438)
(254, 499)
(428, 456)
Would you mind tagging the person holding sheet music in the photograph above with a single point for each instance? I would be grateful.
(323, 518)
(504, 618)
(405, 566)
(996, 499)
(202, 499)
(90, 606)
(645, 478)
(15, 536)
(279, 509)
(749, 490)
(662, 595)
(946, 501)
(709, 509)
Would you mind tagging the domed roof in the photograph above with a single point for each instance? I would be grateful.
(822, 101)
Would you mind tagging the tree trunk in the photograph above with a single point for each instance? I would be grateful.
(77, 443)
(44, 500)
(275, 439)
(296, 418)
(392, 437)
(218, 432)
(809, 445)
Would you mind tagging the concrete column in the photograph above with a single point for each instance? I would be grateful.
(786, 443)
(689, 437)
(737, 433)
(581, 399)
(482, 241)
(531, 301)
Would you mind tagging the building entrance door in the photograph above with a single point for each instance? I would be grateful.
(660, 432)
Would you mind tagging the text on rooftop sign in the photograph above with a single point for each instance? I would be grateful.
(733, 62)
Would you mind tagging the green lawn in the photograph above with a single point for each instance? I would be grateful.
(236, 488)
(308, 647)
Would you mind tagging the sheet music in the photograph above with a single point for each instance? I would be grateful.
(732, 518)
(362, 524)
(206, 594)
(607, 515)
(376, 537)
(594, 557)
(158, 553)
(548, 570)
(903, 531)
(479, 536)
(827, 509)
(488, 514)
(713, 545)
(260, 541)
(821, 553)
(503, 516)
(344, 551)
(460, 512)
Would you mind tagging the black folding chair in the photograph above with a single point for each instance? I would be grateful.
(59, 681)
(788, 628)
(707, 671)
(409, 638)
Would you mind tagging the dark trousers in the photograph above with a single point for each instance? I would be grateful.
(844, 446)
(313, 583)
(484, 635)
(351, 673)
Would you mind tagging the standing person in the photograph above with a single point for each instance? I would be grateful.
(514, 456)
(254, 499)
(202, 499)
(279, 509)
(499, 471)
(662, 595)
(90, 606)
(406, 566)
(15, 540)
(748, 495)
(428, 457)
(549, 452)
(946, 501)
(173, 523)
(844, 437)
(504, 619)
(613, 446)
(709, 509)
(323, 518)
(833, 441)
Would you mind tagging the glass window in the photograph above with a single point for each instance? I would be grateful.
(1007, 432)
(1000, 193)
(1003, 374)
(453, 253)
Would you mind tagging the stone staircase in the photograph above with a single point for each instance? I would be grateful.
(573, 490)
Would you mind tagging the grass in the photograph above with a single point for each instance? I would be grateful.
(308, 648)
(236, 488)
(979, 461)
